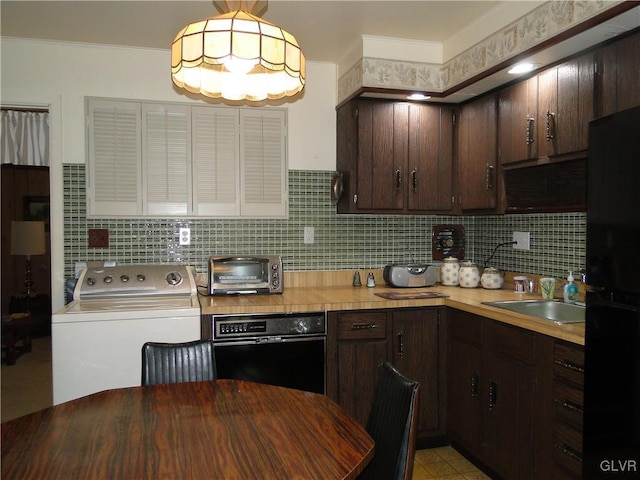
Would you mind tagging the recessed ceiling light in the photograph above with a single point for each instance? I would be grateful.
(418, 96)
(523, 68)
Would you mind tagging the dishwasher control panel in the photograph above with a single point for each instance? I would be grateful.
(232, 328)
(266, 325)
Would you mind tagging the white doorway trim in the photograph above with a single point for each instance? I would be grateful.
(56, 182)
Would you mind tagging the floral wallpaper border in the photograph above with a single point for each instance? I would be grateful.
(539, 25)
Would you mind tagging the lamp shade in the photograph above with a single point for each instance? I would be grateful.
(27, 238)
(237, 56)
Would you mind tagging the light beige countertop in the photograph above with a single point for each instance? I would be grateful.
(314, 292)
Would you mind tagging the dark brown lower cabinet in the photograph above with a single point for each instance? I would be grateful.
(362, 345)
(514, 398)
(508, 429)
(491, 392)
(560, 444)
(359, 341)
(466, 398)
(510, 397)
(415, 341)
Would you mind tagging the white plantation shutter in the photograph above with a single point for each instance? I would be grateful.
(114, 158)
(215, 159)
(264, 167)
(170, 160)
(166, 153)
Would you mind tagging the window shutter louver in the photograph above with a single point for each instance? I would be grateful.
(216, 162)
(177, 160)
(114, 151)
(166, 159)
(264, 168)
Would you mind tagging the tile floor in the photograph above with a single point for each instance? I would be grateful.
(444, 463)
(26, 388)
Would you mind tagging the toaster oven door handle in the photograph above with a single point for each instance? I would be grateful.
(240, 259)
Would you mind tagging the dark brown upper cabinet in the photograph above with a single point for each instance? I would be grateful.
(430, 158)
(395, 157)
(618, 76)
(477, 155)
(518, 109)
(521, 149)
(543, 138)
(565, 107)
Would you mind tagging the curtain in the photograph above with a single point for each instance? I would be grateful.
(25, 137)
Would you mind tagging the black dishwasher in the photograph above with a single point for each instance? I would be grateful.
(288, 350)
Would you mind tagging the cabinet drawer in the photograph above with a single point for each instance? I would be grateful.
(568, 363)
(356, 326)
(567, 405)
(567, 449)
(568, 392)
(513, 342)
(568, 437)
(566, 466)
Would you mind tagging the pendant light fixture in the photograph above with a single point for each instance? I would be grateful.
(237, 56)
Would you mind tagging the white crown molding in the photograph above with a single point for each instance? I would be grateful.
(539, 25)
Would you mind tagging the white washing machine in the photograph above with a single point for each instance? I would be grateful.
(97, 338)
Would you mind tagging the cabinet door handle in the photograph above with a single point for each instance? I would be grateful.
(475, 381)
(570, 365)
(401, 344)
(529, 130)
(398, 179)
(488, 177)
(414, 180)
(568, 405)
(569, 451)
(551, 126)
(363, 326)
(493, 395)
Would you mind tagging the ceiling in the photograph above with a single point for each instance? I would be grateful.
(324, 29)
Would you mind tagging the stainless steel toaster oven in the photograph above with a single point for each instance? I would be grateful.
(245, 275)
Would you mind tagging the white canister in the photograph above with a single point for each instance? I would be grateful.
(450, 271)
(491, 279)
(469, 276)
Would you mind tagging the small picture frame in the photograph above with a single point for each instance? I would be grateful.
(36, 208)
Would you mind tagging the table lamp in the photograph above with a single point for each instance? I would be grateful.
(27, 238)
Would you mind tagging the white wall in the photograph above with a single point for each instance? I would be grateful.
(60, 75)
(75, 71)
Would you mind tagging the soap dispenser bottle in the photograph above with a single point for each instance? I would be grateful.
(570, 290)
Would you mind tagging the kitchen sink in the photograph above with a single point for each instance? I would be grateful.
(552, 310)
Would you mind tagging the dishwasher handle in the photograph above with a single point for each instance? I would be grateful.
(276, 339)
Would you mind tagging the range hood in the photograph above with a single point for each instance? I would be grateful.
(551, 187)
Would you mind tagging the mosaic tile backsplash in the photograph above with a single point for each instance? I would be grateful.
(341, 241)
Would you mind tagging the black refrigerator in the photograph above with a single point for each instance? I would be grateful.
(611, 447)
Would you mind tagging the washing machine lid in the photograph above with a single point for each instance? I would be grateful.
(122, 308)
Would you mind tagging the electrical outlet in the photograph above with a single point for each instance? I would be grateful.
(523, 240)
(185, 236)
(309, 235)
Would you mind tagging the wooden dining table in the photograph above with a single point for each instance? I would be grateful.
(222, 429)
